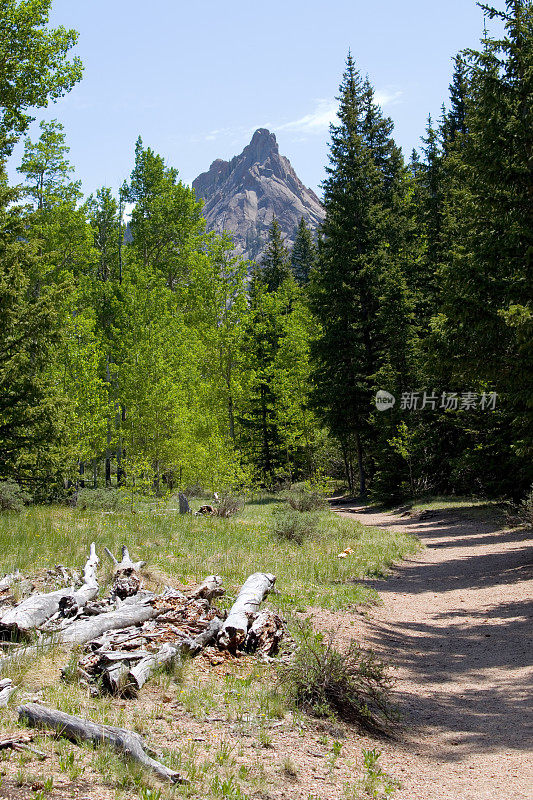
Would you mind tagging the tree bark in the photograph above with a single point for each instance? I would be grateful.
(125, 742)
(126, 578)
(37, 609)
(250, 597)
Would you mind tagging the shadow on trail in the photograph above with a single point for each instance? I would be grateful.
(461, 654)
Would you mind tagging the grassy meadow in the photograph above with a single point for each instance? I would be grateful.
(227, 727)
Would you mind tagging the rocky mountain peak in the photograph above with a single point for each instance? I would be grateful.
(243, 195)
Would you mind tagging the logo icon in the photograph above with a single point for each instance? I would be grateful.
(384, 400)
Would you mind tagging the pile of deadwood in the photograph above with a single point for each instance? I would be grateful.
(127, 636)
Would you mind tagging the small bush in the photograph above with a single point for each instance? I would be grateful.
(525, 510)
(228, 505)
(293, 525)
(12, 496)
(302, 498)
(98, 499)
(352, 684)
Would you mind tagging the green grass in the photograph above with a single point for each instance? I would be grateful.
(187, 548)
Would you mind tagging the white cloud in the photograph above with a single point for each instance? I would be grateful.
(317, 121)
(325, 113)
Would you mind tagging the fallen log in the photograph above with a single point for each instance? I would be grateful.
(85, 630)
(208, 589)
(37, 609)
(143, 669)
(6, 690)
(265, 634)
(250, 597)
(8, 580)
(125, 742)
(126, 578)
(194, 644)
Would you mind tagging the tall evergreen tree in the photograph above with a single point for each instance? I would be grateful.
(364, 231)
(274, 268)
(304, 253)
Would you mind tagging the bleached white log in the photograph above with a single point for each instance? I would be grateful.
(84, 630)
(8, 580)
(5, 692)
(209, 588)
(193, 644)
(125, 742)
(250, 597)
(265, 633)
(140, 672)
(37, 609)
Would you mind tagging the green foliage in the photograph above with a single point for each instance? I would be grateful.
(303, 254)
(294, 526)
(305, 498)
(12, 496)
(101, 499)
(353, 684)
(35, 68)
(358, 289)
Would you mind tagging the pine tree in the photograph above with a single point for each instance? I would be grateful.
(364, 231)
(304, 253)
(484, 328)
(32, 408)
(275, 261)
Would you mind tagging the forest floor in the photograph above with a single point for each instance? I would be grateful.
(456, 622)
(452, 623)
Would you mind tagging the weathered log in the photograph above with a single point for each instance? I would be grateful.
(6, 690)
(37, 609)
(126, 578)
(184, 504)
(209, 588)
(250, 597)
(194, 644)
(142, 670)
(125, 742)
(72, 604)
(265, 634)
(85, 630)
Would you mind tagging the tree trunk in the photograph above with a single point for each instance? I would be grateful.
(126, 578)
(362, 476)
(37, 609)
(248, 600)
(125, 742)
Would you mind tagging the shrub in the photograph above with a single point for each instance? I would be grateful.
(525, 510)
(293, 525)
(227, 506)
(12, 496)
(353, 684)
(98, 499)
(302, 498)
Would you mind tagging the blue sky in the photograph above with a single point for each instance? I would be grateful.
(195, 80)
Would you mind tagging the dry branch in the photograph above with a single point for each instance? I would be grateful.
(250, 597)
(125, 742)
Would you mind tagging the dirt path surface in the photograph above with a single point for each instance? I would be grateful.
(456, 621)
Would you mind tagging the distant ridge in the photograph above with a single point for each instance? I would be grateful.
(243, 195)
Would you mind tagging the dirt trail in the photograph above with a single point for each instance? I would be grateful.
(456, 620)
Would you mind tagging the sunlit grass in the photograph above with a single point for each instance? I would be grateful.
(186, 548)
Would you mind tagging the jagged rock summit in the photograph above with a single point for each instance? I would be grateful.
(243, 195)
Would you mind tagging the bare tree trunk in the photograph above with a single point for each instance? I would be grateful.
(37, 609)
(125, 742)
(250, 597)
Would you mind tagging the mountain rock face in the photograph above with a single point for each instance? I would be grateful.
(243, 195)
